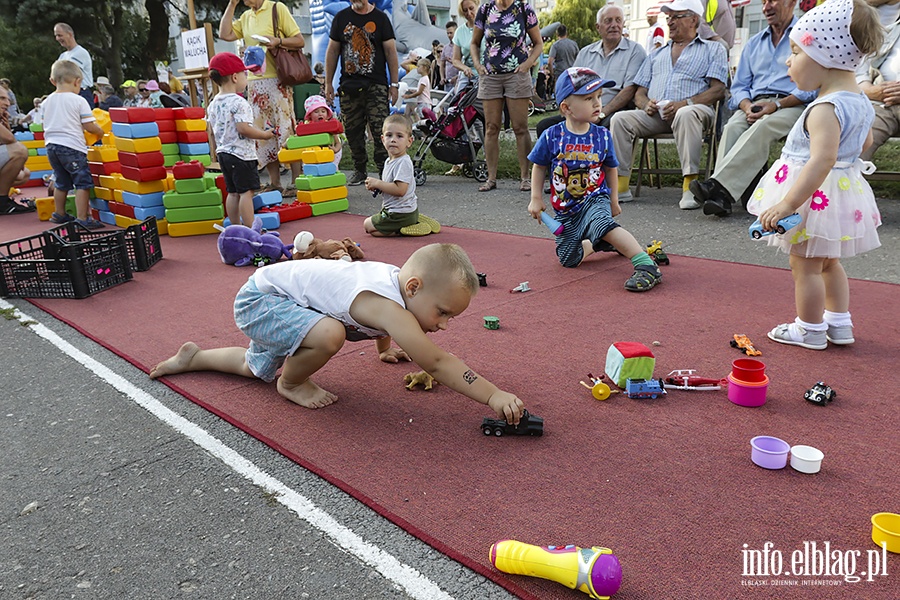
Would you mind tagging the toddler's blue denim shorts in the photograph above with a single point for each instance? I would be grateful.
(70, 167)
(276, 326)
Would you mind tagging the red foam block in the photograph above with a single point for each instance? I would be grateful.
(191, 170)
(141, 159)
(168, 137)
(192, 137)
(289, 212)
(189, 112)
(164, 114)
(105, 168)
(333, 126)
(120, 208)
(167, 125)
(132, 114)
(144, 174)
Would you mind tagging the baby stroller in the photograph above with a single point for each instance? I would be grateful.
(454, 137)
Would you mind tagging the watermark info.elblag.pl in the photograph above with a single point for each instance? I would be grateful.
(812, 564)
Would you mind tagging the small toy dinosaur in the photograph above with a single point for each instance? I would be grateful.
(421, 378)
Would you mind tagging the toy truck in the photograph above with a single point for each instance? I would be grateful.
(820, 394)
(645, 388)
(529, 424)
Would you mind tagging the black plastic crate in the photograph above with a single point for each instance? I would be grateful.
(47, 266)
(141, 241)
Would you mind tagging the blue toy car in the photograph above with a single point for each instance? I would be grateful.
(789, 222)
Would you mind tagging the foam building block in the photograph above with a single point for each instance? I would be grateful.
(204, 198)
(120, 208)
(188, 170)
(192, 137)
(324, 195)
(105, 168)
(204, 159)
(287, 212)
(190, 124)
(150, 144)
(270, 220)
(319, 169)
(272, 198)
(289, 156)
(195, 213)
(188, 186)
(193, 149)
(188, 112)
(193, 228)
(317, 155)
(629, 360)
(98, 203)
(44, 208)
(168, 137)
(333, 126)
(331, 206)
(135, 130)
(156, 211)
(141, 160)
(144, 174)
(103, 193)
(142, 200)
(142, 187)
(307, 183)
(306, 141)
(103, 154)
(24, 136)
(133, 114)
(164, 114)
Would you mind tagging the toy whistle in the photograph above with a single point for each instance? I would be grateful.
(595, 571)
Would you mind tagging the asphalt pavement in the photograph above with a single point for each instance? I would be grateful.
(113, 486)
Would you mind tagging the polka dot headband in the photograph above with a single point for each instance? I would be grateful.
(824, 34)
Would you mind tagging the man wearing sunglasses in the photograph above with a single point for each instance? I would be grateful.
(677, 87)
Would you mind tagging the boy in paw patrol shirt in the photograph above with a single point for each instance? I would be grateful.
(581, 160)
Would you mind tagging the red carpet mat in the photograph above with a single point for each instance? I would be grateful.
(667, 484)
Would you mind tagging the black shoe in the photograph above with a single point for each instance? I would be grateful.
(715, 198)
(358, 178)
(8, 206)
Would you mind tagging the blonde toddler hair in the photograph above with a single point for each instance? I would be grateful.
(65, 71)
(443, 262)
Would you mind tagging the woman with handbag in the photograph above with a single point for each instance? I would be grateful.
(270, 93)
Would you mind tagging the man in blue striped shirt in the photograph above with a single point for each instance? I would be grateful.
(678, 86)
(766, 105)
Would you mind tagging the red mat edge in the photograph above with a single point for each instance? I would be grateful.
(491, 574)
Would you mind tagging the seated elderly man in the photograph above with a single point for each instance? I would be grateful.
(766, 105)
(12, 161)
(879, 79)
(677, 87)
(615, 58)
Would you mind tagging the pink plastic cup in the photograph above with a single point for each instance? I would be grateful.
(744, 393)
(748, 369)
(769, 452)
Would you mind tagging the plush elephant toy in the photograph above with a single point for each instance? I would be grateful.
(241, 246)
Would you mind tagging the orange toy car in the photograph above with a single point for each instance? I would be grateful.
(743, 343)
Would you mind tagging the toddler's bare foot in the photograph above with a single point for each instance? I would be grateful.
(306, 394)
(178, 363)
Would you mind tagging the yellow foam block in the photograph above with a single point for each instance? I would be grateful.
(33, 143)
(123, 221)
(317, 155)
(143, 187)
(289, 156)
(190, 125)
(38, 163)
(103, 193)
(194, 228)
(170, 182)
(117, 195)
(151, 144)
(162, 227)
(109, 139)
(45, 207)
(111, 181)
(103, 154)
(323, 195)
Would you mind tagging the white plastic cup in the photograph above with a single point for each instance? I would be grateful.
(806, 459)
(660, 105)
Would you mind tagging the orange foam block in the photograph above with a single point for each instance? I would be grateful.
(290, 156)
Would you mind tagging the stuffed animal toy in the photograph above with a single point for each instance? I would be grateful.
(421, 378)
(308, 246)
(241, 246)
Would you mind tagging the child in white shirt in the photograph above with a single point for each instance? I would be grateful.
(423, 92)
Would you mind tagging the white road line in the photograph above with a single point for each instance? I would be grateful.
(413, 583)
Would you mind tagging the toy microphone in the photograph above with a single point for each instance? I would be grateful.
(595, 571)
(552, 224)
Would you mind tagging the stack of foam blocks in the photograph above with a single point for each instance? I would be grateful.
(321, 186)
(37, 161)
(191, 134)
(141, 161)
(266, 206)
(168, 137)
(194, 206)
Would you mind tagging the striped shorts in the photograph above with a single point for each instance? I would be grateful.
(592, 222)
(276, 326)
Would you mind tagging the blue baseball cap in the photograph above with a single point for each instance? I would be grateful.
(579, 81)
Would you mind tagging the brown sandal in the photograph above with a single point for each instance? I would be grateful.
(525, 186)
(487, 186)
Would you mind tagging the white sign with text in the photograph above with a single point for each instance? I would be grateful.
(193, 44)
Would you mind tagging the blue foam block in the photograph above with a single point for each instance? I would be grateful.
(193, 149)
(269, 220)
(99, 204)
(135, 130)
(24, 136)
(142, 200)
(40, 174)
(41, 151)
(273, 198)
(107, 217)
(142, 213)
(319, 169)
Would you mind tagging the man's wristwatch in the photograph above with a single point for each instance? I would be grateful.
(690, 101)
(777, 104)
(395, 85)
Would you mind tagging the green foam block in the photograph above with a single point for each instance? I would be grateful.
(194, 199)
(307, 141)
(203, 159)
(329, 206)
(170, 149)
(309, 183)
(169, 160)
(187, 186)
(197, 213)
(209, 180)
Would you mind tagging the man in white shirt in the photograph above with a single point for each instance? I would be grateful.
(12, 162)
(65, 35)
(879, 79)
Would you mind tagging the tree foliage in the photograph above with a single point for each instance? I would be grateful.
(579, 17)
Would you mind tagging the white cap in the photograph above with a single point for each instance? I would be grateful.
(695, 6)
(102, 81)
